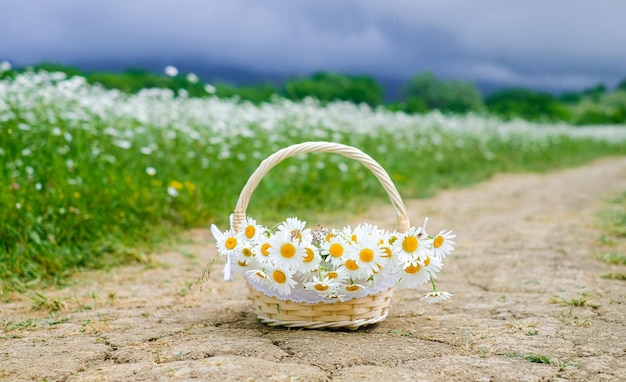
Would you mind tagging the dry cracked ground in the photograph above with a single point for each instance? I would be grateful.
(530, 304)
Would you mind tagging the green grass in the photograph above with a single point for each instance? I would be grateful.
(92, 178)
(612, 241)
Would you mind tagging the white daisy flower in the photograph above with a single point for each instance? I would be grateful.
(262, 251)
(295, 228)
(323, 286)
(432, 263)
(281, 280)
(312, 259)
(436, 296)
(251, 230)
(352, 267)
(257, 276)
(413, 275)
(335, 250)
(286, 252)
(348, 234)
(369, 255)
(443, 244)
(244, 257)
(353, 288)
(366, 229)
(389, 269)
(340, 275)
(228, 242)
(411, 245)
(329, 235)
(244, 265)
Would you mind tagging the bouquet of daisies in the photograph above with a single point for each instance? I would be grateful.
(318, 264)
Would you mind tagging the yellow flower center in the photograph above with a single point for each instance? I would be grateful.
(261, 275)
(352, 288)
(332, 275)
(393, 239)
(320, 287)
(329, 236)
(427, 261)
(336, 250)
(354, 238)
(295, 234)
(287, 250)
(309, 255)
(366, 255)
(412, 268)
(387, 252)
(265, 249)
(246, 252)
(250, 231)
(242, 263)
(438, 241)
(279, 276)
(409, 244)
(352, 265)
(231, 243)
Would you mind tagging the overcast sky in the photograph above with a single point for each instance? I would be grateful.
(566, 44)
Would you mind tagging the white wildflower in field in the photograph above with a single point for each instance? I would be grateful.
(192, 78)
(172, 191)
(171, 71)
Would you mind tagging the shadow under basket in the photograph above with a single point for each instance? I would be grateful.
(351, 314)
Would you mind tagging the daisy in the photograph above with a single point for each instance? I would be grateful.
(410, 245)
(325, 286)
(350, 235)
(432, 263)
(352, 267)
(436, 296)
(369, 255)
(413, 274)
(388, 269)
(251, 230)
(295, 228)
(443, 244)
(312, 259)
(339, 275)
(366, 229)
(244, 265)
(329, 235)
(262, 251)
(281, 280)
(244, 258)
(285, 252)
(353, 288)
(228, 242)
(257, 276)
(335, 250)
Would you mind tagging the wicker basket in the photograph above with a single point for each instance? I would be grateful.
(349, 314)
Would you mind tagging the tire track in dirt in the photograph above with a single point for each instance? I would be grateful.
(525, 244)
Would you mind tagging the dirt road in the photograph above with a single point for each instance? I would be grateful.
(529, 305)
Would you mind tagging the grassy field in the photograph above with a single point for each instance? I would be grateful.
(93, 178)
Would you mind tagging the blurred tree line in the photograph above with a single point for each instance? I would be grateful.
(422, 93)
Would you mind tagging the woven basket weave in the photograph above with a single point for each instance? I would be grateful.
(349, 314)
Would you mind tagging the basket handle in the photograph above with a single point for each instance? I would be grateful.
(402, 220)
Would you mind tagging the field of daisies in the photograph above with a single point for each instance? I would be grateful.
(91, 178)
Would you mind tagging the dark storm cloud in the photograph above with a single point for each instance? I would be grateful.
(534, 43)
